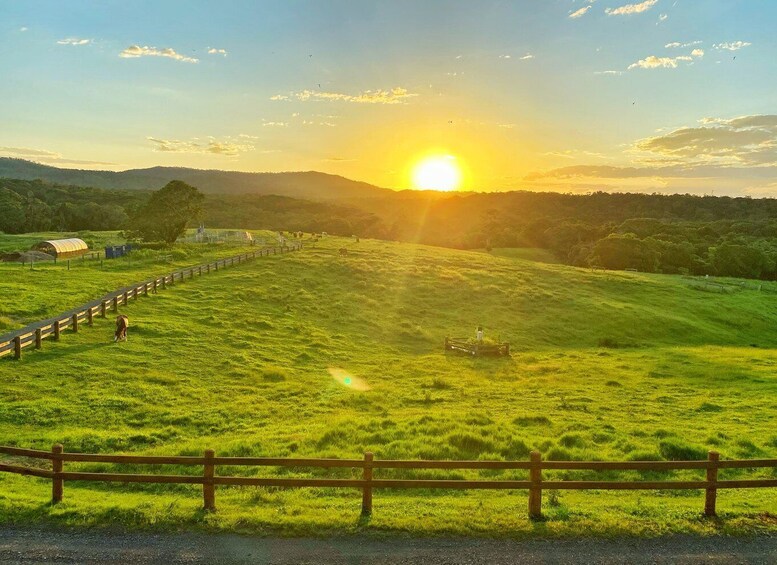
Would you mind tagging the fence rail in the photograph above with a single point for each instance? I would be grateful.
(367, 483)
(33, 335)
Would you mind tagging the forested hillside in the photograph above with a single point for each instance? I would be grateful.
(648, 232)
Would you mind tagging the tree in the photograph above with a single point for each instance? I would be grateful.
(12, 216)
(167, 213)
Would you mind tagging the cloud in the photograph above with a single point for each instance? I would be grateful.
(27, 152)
(227, 146)
(49, 157)
(653, 62)
(727, 155)
(505, 56)
(580, 13)
(23, 29)
(396, 95)
(733, 46)
(629, 9)
(746, 141)
(662, 18)
(275, 124)
(506, 126)
(74, 41)
(214, 51)
(135, 51)
(678, 44)
(527, 57)
(608, 72)
(338, 160)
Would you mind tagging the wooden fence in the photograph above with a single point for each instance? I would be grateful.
(535, 484)
(33, 335)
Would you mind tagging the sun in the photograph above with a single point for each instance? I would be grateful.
(440, 172)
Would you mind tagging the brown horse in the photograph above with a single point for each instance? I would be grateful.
(122, 323)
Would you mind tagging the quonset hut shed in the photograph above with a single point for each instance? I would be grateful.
(62, 248)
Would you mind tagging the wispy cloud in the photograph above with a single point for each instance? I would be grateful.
(580, 13)
(214, 51)
(608, 73)
(23, 29)
(396, 95)
(49, 157)
(683, 45)
(74, 41)
(135, 51)
(527, 57)
(226, 146)
(275, 124)
(629, 9)
(506, 126)
(662, 18)
(733, 46)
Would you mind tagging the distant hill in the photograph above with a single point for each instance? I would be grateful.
(309, 184)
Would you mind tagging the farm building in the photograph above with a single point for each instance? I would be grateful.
(62, 248)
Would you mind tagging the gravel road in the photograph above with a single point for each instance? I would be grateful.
(35, 545)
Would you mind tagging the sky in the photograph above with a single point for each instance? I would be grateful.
(566, 95)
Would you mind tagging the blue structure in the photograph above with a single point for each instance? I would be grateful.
(116, 251)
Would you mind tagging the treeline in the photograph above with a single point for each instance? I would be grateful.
(652, 233)
(34, 206)
(649, 232)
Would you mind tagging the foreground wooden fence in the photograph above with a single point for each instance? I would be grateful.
(33, 335)
(209, 479)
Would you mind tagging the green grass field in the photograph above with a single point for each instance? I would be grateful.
(605, 365)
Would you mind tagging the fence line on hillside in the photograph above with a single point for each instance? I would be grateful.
(535, 484)
(33, 335)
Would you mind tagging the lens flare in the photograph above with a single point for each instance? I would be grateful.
(348, 380)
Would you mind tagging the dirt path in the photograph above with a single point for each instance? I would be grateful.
(28, 545)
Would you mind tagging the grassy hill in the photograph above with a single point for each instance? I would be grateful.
(605, 365)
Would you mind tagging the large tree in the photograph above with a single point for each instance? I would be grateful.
(167, 213)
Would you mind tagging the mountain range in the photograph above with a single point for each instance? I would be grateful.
(311, 185)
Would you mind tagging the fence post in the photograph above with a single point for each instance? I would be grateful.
(56, 330)
(115, 303)
(145, 289)
(535, 491)
(164, 282)
(155, 286)
(207, 268)
(17, 347)
(367, 490)
(208, 488)
(712, 476)
(75, 323)
(38, 338)
(89, 316)
(102, 309)
(126, 298)
(56, 466)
